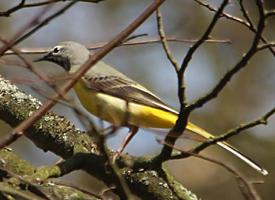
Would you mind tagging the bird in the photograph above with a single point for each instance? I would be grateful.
(114, 97)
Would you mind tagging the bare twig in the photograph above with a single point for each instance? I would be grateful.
(164, 42)
(252, 27)
(247, 24)
(13, 9)
(226, 15)
(204, 37)
(20, 129)
(246, 187)
(262, 120)
(132, 37)
(22, 5)
(29, 65)
(44, 22)
(184, 113)
(240, 65)
(35, 20)
(265, 46)
(132, 42)
(55, 133)
(246, 16)
(118, 180)
(270, 13)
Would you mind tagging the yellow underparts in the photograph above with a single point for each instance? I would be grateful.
(118, 112)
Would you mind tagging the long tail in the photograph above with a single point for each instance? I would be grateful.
(228, 147)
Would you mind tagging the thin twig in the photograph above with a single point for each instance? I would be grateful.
(29, 65)
(252, 27)
(93, 59)
(247, 24)
(262, 120)
(240, 65)
(164, 42)
(118, 180)
(265, 46)
(204, 37)
(35, 20)
(98, 45)
(246, 187)
(85, 67)
(13, 9)
(22, 5)
(184, 113)
(270, 13)
(246, 16)
(44, 22)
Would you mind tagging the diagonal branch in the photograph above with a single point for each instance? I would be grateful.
(246, 187)
(184, 113)
(20, 129)
(98, 45)
(32, 22)
(240, 65)
(247, 23)
(15, 173)
(44, 22)
(23, 4)
(164, 41)
(56, 134)
(260, 121)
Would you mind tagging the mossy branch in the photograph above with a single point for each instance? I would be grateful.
(15, 182)
(56, 134)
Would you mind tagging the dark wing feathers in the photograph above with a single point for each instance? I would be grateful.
(125, 89)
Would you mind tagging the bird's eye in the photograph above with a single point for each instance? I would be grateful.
(56, 50)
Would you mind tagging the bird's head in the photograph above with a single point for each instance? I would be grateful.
(67, 54)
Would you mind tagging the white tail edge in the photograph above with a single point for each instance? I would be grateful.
(247, 160)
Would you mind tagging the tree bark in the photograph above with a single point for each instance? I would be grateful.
(56, 134)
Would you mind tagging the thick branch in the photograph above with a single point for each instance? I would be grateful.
(15, 172)
(93, 59)
(58, 135)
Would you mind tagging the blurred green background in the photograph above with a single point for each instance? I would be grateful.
(249, 95)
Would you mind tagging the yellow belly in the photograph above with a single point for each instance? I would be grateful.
(118, 112)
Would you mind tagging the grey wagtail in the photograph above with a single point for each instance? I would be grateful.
(113, 97)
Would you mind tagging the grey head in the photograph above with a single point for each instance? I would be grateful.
(67, 54)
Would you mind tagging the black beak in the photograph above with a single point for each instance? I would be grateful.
(44, 58)
(59, 60)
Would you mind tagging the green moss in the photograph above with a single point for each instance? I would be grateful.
(11, 161)
(177, 187)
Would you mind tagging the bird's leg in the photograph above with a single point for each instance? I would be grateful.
(132, 131)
